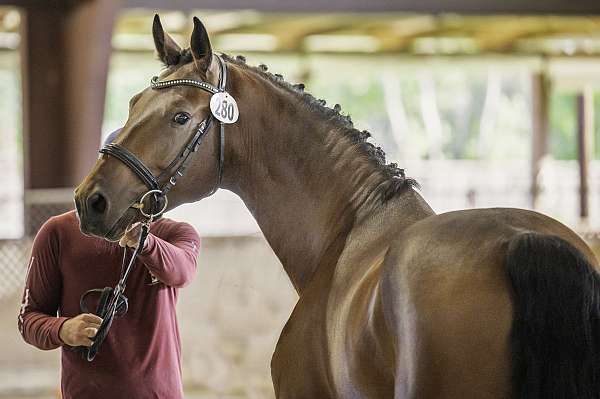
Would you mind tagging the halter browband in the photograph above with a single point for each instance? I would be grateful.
(181, 160)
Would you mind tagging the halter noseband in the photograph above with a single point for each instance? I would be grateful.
(180, 162)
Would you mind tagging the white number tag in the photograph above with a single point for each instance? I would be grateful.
(224, 107)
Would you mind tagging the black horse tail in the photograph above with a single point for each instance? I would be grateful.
(555, 337)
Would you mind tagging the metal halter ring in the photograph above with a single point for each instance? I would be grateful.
(140, 204)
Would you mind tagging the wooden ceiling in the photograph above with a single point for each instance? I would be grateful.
(444, 34)
(481, 7)
(385, 33)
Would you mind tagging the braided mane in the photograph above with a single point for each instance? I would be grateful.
(397, 182)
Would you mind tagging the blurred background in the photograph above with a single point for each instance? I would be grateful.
(484, 104)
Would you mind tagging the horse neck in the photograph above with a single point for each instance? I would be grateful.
(297, 174)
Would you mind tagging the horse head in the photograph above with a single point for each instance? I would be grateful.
(170, 130)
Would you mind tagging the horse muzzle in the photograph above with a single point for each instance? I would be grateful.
(92, 210)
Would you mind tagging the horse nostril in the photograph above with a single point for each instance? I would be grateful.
(97, 203)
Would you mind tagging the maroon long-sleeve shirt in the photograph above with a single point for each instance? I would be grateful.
(141, 356)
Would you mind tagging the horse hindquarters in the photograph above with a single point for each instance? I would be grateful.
(555, 335)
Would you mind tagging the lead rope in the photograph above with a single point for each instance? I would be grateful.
(113, 302)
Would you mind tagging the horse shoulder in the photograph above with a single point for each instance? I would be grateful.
(360, 346)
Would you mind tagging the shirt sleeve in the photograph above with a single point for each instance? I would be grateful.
(37, 321)
(171, 253)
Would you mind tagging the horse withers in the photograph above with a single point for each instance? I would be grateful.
(394, 300)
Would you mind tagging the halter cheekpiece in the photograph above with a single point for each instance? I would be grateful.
(179, 164)
(112, 302)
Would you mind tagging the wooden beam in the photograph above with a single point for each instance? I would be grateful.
(585, 132)
(503, 33)
(399, 34)
(540, 93)
(53, 4)
(291, 33)
(483, 7)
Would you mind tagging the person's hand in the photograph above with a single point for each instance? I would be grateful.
(131, 237)
(79, 330)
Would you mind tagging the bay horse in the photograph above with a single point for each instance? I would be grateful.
(395, 301)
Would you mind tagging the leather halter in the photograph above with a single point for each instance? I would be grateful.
(180, 162)
(113, 302)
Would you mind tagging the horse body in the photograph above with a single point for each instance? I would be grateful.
(394, 301)
(417, 308)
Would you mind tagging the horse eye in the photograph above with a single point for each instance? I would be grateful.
(181, 118)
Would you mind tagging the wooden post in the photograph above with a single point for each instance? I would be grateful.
(88, 35)
(43, 80)
(540, 92)
(65, 51)
(65, 54)
(585, 132)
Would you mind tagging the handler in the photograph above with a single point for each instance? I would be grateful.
(141, 356)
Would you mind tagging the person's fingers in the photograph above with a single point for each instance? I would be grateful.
(91, 318)
(131, 242)
(134, 230)
(133, 226)
(90, 325)
(86, 342)
(132, 235)
(90, 332)
(124, 242)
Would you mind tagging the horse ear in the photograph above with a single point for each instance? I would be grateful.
(200, 45)
(168, 51)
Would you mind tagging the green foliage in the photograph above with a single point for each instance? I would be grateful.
(563, 125)
(459, 97)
